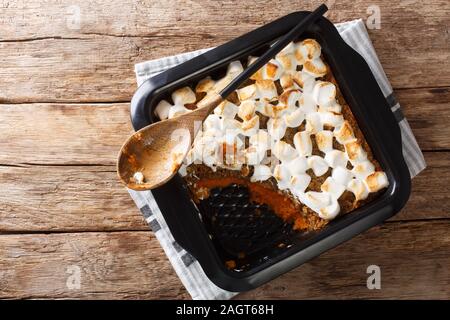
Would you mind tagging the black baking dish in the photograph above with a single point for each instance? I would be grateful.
(368, 105)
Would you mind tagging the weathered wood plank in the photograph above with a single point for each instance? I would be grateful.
(93, 60)
(40, 198)
(90, 198)
(93, 134)
(413, 258)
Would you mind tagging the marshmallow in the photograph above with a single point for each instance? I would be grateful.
(344, 133)
(376, 181)
(269, 110)
(307, 104)
(260, 140)
(297, 166)
(276, 128)
(324, 140)
(305, 81)
(295, 118)
(205, 85)
(253, 156)
(177, 110)
(247, 110)
(272, 71)
(250, 127)
(306, 50)
(287, 81)
(334, 188)
(183, 96)
(324, 93)
(248, 92)
(336, 158)
(303, 144)
(283, 151)
(235, 68)
(331, 119)
(260, 173)
(358, 188)
(318, 165)
(315, 200)
(342, 175)
(162, 109)
(315, 67)
(313, 123)
(331, 211)
(266, 90)
(290, 97)
(212, 121)
(282, 175)
(287, 61)
(363, 169)
(226, 109)
(355, 152)
(299, 183)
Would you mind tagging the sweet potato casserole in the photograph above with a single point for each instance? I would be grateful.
(287, 135)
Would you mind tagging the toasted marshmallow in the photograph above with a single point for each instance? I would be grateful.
(177, 110)
(232, 126)
(250, 127)
(342, 175)
(306, 50)
(222, 83)
(287, 81)
(283, 151)
(289, 49)
(298, 165)
(324, 140)
(258, 75)
(334, 188)
(272, 70)
(294, 118)
(358, 188)
(376, 181)
(363, 169)
(305, 81)
(276, 128)
(302, 142)
(299, 183)
(318, 165)
(324, 93)
(205, 85)
(344, 133)
(162, 109)
(183, 96)
(270, 110)
(226, 109)
(334, 107)
(315, 200)
(313, 123)
(138, 177)
(307, 104)
(336, 158)
(235, 68)
(315, 67)
(290, 97)
(287, 61)
(212, 121)
(266, 90)
(247, 110)
(253, 156)
(331, 119)
(260, 140)
(331, 211)
(248, 92)
(260, 173)
(355, 152)
(282, 175)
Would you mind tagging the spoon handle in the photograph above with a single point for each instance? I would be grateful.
(277, 47)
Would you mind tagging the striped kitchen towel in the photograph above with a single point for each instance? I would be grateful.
(187, 268)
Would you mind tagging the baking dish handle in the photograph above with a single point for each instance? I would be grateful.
(139, 109)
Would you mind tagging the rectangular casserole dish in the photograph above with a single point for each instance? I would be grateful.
(367, 104)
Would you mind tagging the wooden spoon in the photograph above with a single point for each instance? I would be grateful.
(153, 155)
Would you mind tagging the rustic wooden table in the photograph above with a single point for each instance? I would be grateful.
(66, 82)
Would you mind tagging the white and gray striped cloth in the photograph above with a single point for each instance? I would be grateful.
(186, 267)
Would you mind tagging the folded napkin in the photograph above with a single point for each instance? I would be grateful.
(187, 268)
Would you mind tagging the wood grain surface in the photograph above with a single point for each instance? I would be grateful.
(65, 84)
